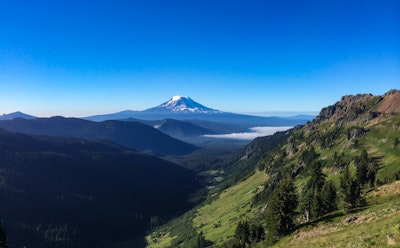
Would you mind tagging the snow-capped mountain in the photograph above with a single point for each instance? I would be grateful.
(182, 104)
(184, 108)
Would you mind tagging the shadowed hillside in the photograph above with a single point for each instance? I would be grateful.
(60, 192)
(134, 135)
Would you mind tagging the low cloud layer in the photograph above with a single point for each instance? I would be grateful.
(254, 132)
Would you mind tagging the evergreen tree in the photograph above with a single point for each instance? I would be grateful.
(312, 203)
(257, 233)
(328, 197)
(281, 209)
(362, 165)
(372, 176)
(350, 188)
(201, 241)
(309, 155)
(242, 233)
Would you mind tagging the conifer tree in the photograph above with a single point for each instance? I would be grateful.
(257, 233)
(201, 241)
(281, 209)
(242, 233)
(312, 203)
(350, 188)
(328, 197)
(362, 166)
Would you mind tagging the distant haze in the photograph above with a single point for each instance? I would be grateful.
(254, 132)
(282, 113)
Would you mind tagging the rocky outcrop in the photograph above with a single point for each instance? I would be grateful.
(360, 109)
(356, 132)
(291, 148)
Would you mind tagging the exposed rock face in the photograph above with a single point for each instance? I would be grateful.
(356, 133)
(390, 103)
(360, 109)
(347, 109)
(327, 112)
(291, 148)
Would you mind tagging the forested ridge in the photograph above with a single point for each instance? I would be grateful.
(64, 192)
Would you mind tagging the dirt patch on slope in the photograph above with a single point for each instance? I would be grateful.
(390, 103)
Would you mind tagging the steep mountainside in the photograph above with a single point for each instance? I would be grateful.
(63, 192)
(354, 141)
(134, 135)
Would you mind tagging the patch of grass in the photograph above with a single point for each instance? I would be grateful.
(178, 232)
(219, 219)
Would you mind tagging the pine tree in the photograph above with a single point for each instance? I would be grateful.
(350, 188)
(257, 233)
(281, 210)
(328, 197)
(201, 241)
(362, 165)
(242, 233)
(312, 203)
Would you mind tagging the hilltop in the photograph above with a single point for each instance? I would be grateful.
(358, 135)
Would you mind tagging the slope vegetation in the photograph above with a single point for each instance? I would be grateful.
(359, 131)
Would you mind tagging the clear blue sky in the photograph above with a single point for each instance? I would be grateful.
(79, 58)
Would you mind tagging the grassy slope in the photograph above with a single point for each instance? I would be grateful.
(216, 219)
(219, 216)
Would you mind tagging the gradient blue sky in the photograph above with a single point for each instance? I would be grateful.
(79, 58)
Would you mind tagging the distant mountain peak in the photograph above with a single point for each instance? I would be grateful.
(17, 114)
(177, 98)
(182, 104)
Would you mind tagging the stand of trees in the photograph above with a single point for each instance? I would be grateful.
(318, 197)
(281, 210)
(246, 234)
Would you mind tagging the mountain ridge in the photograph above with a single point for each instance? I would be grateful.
(134, 135)
(68, 192)
(17, 114)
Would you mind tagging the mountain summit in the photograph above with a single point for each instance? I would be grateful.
(185, 108)
(182, 104)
